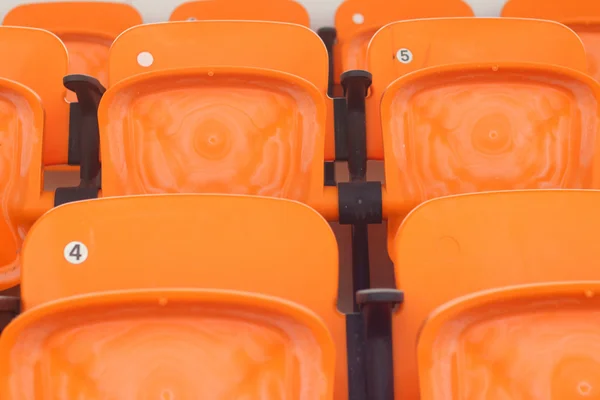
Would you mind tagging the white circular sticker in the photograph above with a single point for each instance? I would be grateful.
(405, 56)
(358, 19)
(75, 252)
(145, 59)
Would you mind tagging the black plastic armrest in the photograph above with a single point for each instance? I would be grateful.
(88, 89)
(84, 136)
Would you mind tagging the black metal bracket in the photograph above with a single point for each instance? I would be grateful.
(355, 350)
(376, 306)
(84, 138)
(360, 203)
(10, 308)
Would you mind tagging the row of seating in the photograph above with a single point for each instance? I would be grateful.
(234, 297)
(238, 117)
(88, 28)
(112, 285)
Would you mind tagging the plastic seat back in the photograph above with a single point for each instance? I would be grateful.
(207, 107)
(356, 21)
(263, 10)
(405, 47)
(87, 28)
(498, 110)
(454, 246)
(173, 343)
(32, 119)
(528, 341)
(243, 243)
(583, 16)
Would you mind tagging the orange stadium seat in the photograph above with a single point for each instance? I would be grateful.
(87, 28)
(583, 16)
(508, 108)
(486, 241)
(259, 10)
(162, 286)
(356, 21)
(34, 124)
(205, 106)
(527, 341)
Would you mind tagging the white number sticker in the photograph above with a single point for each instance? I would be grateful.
(405, 56)
(75, 252)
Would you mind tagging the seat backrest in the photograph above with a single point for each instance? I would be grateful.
(21, 127)
(453, 246)
(261, 10)
(33, 122)
(356, 21)
(207, 106)
(491, 116)
(39, 60)
(408, 46)
(526, 341)
(168, 344)
(583, 16)
(87, 28)
(264, 245)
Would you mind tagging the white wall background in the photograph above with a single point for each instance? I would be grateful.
(321, 11)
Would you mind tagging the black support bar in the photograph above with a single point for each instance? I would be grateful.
(329, 36)
(355, 348)
(376, 308)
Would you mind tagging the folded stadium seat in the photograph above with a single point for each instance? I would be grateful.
(177, 297)
(356, 21)
(260, 10)
(534, 341)
(34, 125)
(583, 16)
(509, 107)
(206, 107)
(458, 245)
(87, 28)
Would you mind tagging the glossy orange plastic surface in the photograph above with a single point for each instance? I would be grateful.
(87, 28)
(21, 127)
(438, 42)
(356, 21)
(247, 243)
(462, 129)
(231, 117)
(454, 246)
(583, 16)
(167, 344)
(259, 10)
(522, 342)
(25, 47)
(33, 122)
